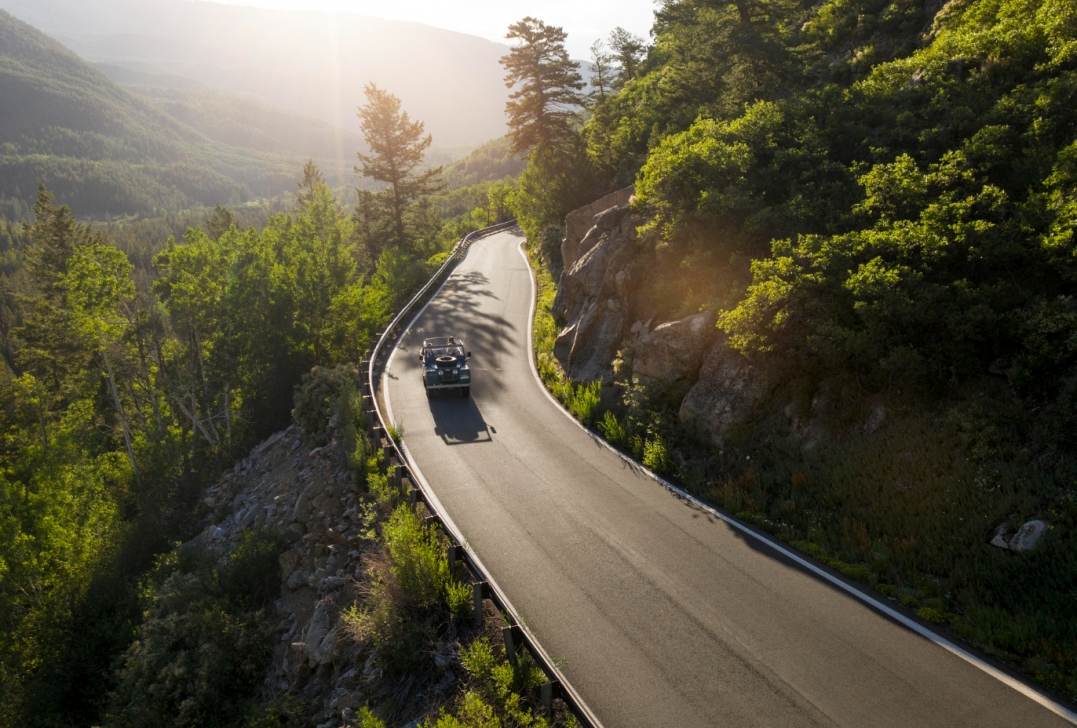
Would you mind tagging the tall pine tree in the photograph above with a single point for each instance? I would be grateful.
(547, 83)
(397, 149)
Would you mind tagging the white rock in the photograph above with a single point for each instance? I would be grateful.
(317, 629)
(1028, 536)
(999, 539)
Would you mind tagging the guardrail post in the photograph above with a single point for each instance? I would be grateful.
(477, 588)
(452, 559)
(510, 648)
(413, 497)
(546, 698)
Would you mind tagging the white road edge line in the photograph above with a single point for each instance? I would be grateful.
(939, 640)
(451, 525)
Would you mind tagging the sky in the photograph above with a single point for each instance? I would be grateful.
(584, 20)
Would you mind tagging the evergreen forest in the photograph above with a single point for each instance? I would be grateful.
(109, 151)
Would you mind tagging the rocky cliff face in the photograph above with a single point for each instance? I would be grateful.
(605, 261)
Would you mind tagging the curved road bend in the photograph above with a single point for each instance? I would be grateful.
(659, 614)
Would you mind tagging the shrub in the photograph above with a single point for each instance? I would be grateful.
(932, 615)
(500, 689)
(420, 564)
(204, 646)
(857, 572)
(396, 432)
(583, 401)
(383, 486)
(400, 637)
(656, 456)
(317, 397)
(612, 429)
(352, 420)
(549, 246)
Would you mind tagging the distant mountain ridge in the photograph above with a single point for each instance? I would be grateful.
(107, 151)
(312, 63)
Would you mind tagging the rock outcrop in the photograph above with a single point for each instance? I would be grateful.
(725, 395)
(580, 222)
(1027, 538)
(592, 296)
(674, 350)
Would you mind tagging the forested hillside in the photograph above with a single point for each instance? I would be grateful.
(105, 151)
(246, 123)
(876, 201)
(136, 366)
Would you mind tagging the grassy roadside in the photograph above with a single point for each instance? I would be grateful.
(581, 400)
(899, 515)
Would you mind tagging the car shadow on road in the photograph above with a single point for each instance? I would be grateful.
(457, 420)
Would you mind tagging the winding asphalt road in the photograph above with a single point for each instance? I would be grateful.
(660, 613)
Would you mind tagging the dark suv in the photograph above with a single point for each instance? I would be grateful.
(445, 365)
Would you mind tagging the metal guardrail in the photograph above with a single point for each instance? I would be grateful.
(516, 635)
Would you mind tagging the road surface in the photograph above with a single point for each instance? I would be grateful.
(659, 613)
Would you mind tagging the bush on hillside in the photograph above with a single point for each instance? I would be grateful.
(318, 397)
(205, 644)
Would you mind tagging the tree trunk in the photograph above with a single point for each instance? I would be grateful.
(148, 379)
(123, 417)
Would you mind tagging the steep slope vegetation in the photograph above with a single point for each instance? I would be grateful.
(246, 123)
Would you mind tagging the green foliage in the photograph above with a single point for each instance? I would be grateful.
(656, 456)
(612, 429)
(410, 596)
(205, 643)
(323, 393)
(368, 720)
(542, 123)
(396, 433)
(557, 180)
(500, 691)
(420, 564)
(546, 85)
(123, 391)
(879, 213)
(397, 148)
(489, 162)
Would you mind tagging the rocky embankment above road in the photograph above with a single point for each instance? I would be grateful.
(604, 262)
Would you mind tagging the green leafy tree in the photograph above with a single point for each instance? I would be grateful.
(542, 120)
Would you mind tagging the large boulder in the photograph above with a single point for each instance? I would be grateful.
(675, 350)
(583, 279)
(725, 394)
(586, 348)
(580, 222)
(1027, 538)
(592, 299)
